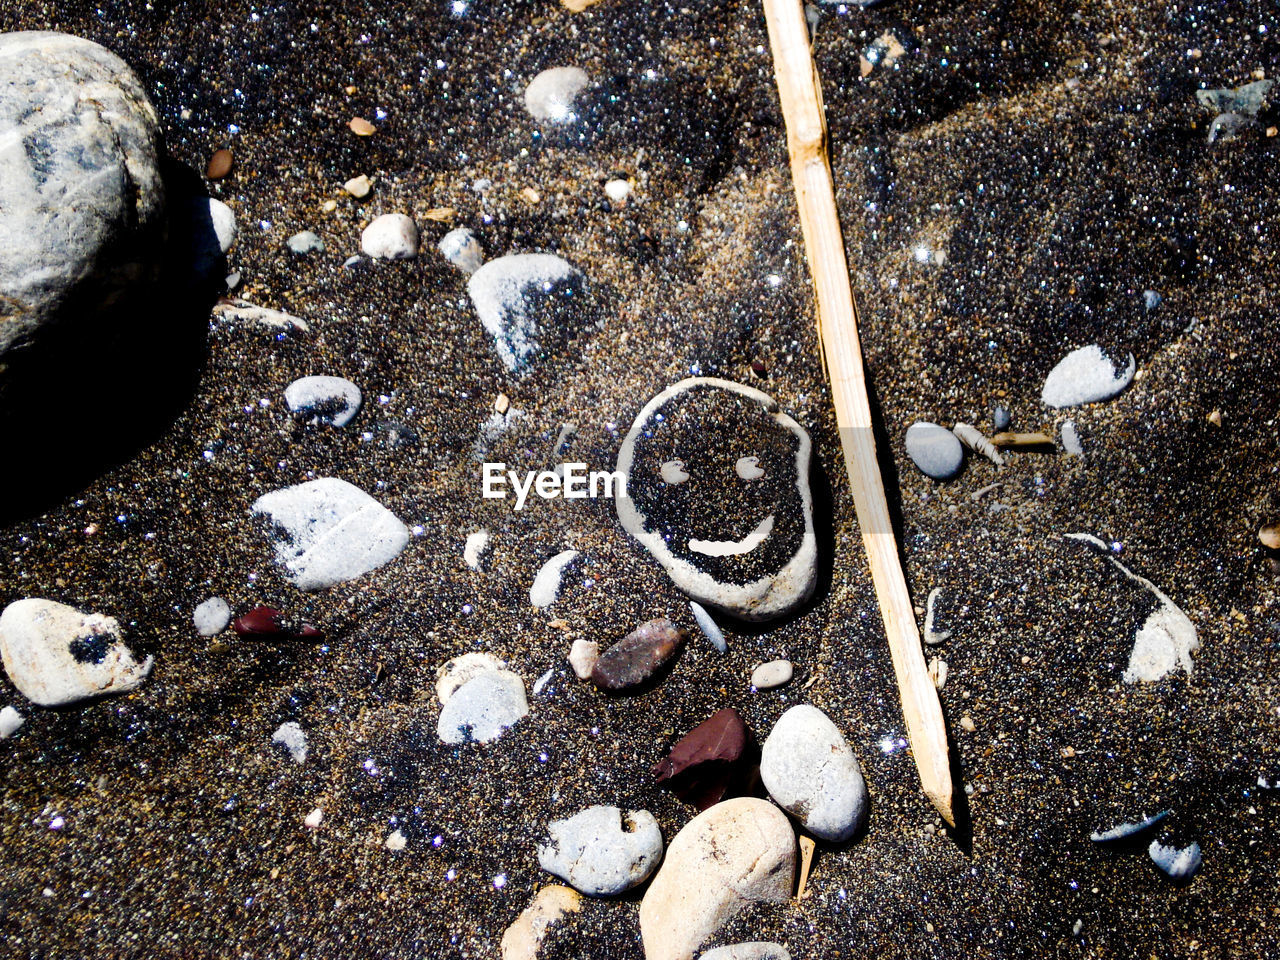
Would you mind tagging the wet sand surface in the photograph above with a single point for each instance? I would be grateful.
(1010, 187)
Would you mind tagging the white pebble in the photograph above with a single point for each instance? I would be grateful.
(332, 532)
(932, 636)
(211, 617)
(551, 93)
(540, 684)
(618, 190)
(583, 656)
(1071, 439)
(293, 738)
(1177, 864)
(458, 671)
(396, 841)
(56, 655)
(314, 819)
(392, 236)
(223, 220)
(10, 721)
(1086, 375)
(329, 400)
(461, 248)
(546, 585)
(304, 242)
(475, 549)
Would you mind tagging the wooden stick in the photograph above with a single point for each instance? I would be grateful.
(801, 96)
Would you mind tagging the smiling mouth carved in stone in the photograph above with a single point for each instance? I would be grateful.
(732, 548)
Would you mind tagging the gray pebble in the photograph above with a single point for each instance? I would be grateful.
(595, 852)
(710, 629)
(1228, 126)
(305, 242)
(211, 617)
(812, 773)
(483, 707)
(1001, 417)
(326, 400)
(935, 450)
(461, 248)
(1151, 299)
(775, 673)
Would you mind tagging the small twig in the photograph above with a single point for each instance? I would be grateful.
(801, 96)
(807, 846)
(1021, 439)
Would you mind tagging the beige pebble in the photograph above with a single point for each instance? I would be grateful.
(523, 938)
(441, 214)
(583, 656)
(1215, 418)
(501, 404)
(531, 196)
(362, 127)
(967, 724)
(358, 187)
(1269, 536)
(329, 206)
(737, 852)
(775, 673)
(938, 672)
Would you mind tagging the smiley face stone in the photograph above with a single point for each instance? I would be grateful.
(718, 493)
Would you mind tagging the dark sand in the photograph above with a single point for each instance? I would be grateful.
(1055, 210)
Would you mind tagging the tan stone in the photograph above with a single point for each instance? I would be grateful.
(737, 852)
(523, 938)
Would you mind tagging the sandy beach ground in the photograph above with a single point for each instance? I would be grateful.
(1011, 185)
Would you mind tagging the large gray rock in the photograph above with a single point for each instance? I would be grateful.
(81, 199)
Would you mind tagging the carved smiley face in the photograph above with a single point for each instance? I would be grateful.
(718, 492)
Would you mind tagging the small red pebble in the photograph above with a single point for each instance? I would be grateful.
(269, 622)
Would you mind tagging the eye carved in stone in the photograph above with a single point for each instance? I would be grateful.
(748, 468)
(673, 472)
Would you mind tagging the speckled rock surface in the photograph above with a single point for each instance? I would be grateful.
(1008, 189)
(81, 202)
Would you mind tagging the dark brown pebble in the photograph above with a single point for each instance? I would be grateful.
(219, 165)
(639, 655)
(269, 622)
(711, 761)
(758, 368)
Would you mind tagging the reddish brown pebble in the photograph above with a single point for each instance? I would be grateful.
(711, 761)
(219, 165)
(362, 127)
(269, 622)
(639, 655)
(758, 368)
